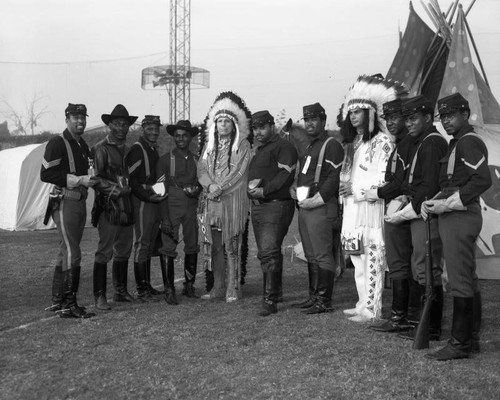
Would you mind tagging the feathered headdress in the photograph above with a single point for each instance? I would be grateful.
(229, 105)
(371, 92)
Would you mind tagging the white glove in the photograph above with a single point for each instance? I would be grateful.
(406, 214)
(312, 202)
(371, 195)
(73, 181)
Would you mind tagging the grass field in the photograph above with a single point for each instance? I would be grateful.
(201, 350)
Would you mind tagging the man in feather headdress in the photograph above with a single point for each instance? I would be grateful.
(368, 146)
(222, 171)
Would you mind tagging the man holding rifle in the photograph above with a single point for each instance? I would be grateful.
(463, 178)
(427, 148)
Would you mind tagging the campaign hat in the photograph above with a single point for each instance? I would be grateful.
(118, 112)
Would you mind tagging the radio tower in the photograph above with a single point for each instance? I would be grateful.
(177, 77)
(180, 55)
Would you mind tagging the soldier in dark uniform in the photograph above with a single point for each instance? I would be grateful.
(113, 212)
(398, 245)
(66, 165)
(318, 208)
(178, 170)
(270, 176)
(464, 177)
(141, 161)
(422, 182)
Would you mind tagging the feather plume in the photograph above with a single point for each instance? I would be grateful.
(371, 92)
(230, 105)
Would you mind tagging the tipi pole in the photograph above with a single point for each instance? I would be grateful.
(475, 50)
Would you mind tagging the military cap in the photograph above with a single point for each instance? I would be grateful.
(452, 103)
(75, 109)
(391, 107)
(260, 118)
(313, 111)
(151, 119)
(416, 104)
(184, 125)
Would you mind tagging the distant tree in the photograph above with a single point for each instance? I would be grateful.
(281, 118)
(25, 122)
(4, 130)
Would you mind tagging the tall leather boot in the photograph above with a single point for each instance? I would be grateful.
(120, 275)
(272, 285)
(151, 289)
(476, 323)
(459, 346)
(71, 308)
(100, 274)
(168, 279)
(190, 264)
(313, 287)
(141, 276)
(280, 271)
(57, 290)
(324, 292)
(415, 301)
(435, 318)
(398, 321)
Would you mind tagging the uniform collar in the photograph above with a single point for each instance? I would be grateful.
(464, 130)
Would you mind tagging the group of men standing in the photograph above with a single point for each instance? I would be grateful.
(430, 179)
(130, 183)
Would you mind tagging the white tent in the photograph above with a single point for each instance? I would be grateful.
(23, 196)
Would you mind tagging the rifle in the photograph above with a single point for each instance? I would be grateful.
(422, 332)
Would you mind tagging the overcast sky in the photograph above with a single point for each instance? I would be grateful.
(276, 54)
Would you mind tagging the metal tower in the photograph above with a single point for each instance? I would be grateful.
(179, 76)
(180, 58)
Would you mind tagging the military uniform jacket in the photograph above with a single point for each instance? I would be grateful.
(55, 164)
(109, 165)
(397, 167)
(330, 170)
(470, 173)
(274, 162)
(425, 181)
(141, 161)
(185, 169)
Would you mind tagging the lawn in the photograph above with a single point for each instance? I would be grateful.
(214, 350)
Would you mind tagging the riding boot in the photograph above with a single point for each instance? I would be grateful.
(71, 307)
(435, 317)
(190, 264)
(476, 323)
(271, 281)
(168, 279)
(141, 276)
(100, 274)
(57, 290)
(324, 290)
(398, 321)
(280, 271)
(416, 292)
(459, 346)
(151, 289)
(120, 275)
(313, 287)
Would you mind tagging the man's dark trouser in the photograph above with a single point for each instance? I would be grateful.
(270, 221)
(316, 232)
